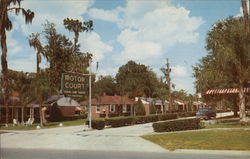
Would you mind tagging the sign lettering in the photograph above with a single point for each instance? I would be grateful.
(73, 84)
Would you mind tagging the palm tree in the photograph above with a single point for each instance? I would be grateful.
(6, 25)
(76, 26)
(41, 91)
(35, 42)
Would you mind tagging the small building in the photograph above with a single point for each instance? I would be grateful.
(111, 106)
(159, 105)
(180, 106)
(67, 106)
(14, 107)
(197, 105)
(219, 96)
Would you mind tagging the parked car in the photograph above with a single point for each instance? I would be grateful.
(205, 113)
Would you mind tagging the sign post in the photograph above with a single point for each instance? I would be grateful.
(74, 84)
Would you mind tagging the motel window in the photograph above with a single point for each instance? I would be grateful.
(98, 108)
(112, 108)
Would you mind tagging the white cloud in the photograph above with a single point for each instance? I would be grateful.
(107, 71)
(179, 71)
(183, 83)
(92, 42)
(136, 49)
(149, 27)
(13, 45)
(23, 64)
(111, 16)
(53, 11)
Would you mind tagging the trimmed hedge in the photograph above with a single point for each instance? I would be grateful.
(125, 121)
(177, 125)
(102, 115)
(186, 114)
(111, 115)
(98, 124)
(119, 121)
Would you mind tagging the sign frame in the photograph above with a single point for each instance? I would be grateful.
(74, 84)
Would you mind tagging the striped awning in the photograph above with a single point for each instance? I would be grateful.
(226, 91)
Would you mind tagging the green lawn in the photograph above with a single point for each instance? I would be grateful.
(207, 140)
(1, 132)
(228, 123)
(47, 125)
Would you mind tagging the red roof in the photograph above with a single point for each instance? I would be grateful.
(112, 100)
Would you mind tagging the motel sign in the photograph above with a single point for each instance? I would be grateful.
(73, 84)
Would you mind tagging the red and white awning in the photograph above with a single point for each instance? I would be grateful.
(226, 91)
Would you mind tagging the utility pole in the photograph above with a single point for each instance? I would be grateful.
(90, 111)
(168, 79)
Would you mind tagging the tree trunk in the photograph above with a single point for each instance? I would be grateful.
(242, 108)
(5, 74)
(40, 114)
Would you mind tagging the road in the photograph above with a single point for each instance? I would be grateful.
(78, 154)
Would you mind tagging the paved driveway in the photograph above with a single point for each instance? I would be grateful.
(77, 138)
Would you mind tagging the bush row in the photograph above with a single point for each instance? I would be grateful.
(186, 114)
(177, 125)
(111, 115)
(131, 120)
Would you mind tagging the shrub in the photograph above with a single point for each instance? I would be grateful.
(153, 118)
(55, 114)
(98, 124)
(139, 108)
(125, 114)
(177, 125)
(111, 115)
(152, 109)
(84, 116)
(169, 116)
(131, 120)
(102, 115)
(140, 119)
(119, 121)
(186, 114)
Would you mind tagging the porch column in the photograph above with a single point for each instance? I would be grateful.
(12, 113)
(17, 113)
(22, 114)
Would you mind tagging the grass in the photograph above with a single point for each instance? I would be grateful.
(47, 125)
(1, 132)
(228, 123)
(207, 140)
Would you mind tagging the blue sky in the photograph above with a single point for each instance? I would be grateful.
(146, 31)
